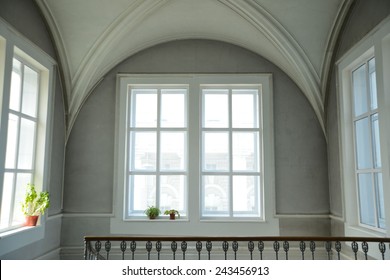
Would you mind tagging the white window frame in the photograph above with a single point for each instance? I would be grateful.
(13, 44)
(192, 223)
(376, 44)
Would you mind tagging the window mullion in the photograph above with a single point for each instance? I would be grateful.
(158, 148)
(230, 131)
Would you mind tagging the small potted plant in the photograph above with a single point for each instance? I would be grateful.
(34, 204)
(172, 213)
(152, 212)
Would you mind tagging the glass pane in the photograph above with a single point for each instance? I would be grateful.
(142, 151)
(12, 140)
(216, 195)
(360, 90)
(372, 79)
(366, 200)
(144, 108)
(22, 179)
(173, 109)
(376, 141)
(245, 195)
(16, 81)
(172, 193)
(363, 151)
(245, 151)
(380, 200)
(245, 109)
(6, 200)
(216, 151)
(142, 192)
(30, 92)
(26, 144)
(216, 108)
(173, 151)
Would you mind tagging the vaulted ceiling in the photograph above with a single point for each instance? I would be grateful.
(92, 36)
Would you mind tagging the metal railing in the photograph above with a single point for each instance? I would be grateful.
(249, 247)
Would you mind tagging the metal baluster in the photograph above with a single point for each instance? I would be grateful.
(107, 247)
(149, 246)
(276, 249)
(312, 249)
(251, 247)
(209, 246)
(98, 246)
(338, 249)
(235, 248)
(355, 248)
(225, 247)
(174, 248)
(158, 248)
(286, 247)
(302, 247)
(133, 246)
(184, 249)
(382, 249)
(260, 245)
(328, 246)
(123, 249)
(199, 248)
(365, 249)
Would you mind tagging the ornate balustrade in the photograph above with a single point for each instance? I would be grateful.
(253, 247)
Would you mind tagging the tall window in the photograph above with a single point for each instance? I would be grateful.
(157, 152)
(21, 140)
(230, 151)
(368, 162)
(194, 144)
(364, 133)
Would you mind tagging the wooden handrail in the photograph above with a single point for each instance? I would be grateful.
(236, 238)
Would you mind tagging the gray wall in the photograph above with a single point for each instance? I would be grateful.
(364, 16)
(300, 146)
(25, 17)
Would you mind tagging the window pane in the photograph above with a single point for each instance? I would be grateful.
(143, 151)
(6, 199)
(245, 151)
(245, 109)
(22, 179)
(173, 152)
(216, 151)
(363, 151)
(216, 195)
(144, 108)
(16, 81)
(245, 195)
(12, 140)
(366, 200)
(360, 90)
(143, 192)
(26, 144)
(173, 112)
(172, 194)
(380, 200)
(216, 108)
(30, 92)
(376, 141)
(372, 79)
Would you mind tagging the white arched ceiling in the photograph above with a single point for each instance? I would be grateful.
(92, 36)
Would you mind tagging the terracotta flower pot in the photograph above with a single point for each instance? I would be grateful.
(31, 221)
(172, 216)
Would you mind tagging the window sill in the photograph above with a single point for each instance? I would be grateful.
(17, 238)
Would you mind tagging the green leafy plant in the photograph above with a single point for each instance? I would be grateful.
(172, 213)
(152, 212)
(35, 203)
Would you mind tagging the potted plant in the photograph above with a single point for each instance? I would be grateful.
(172, 214)
(152, 212)
(34, 204)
